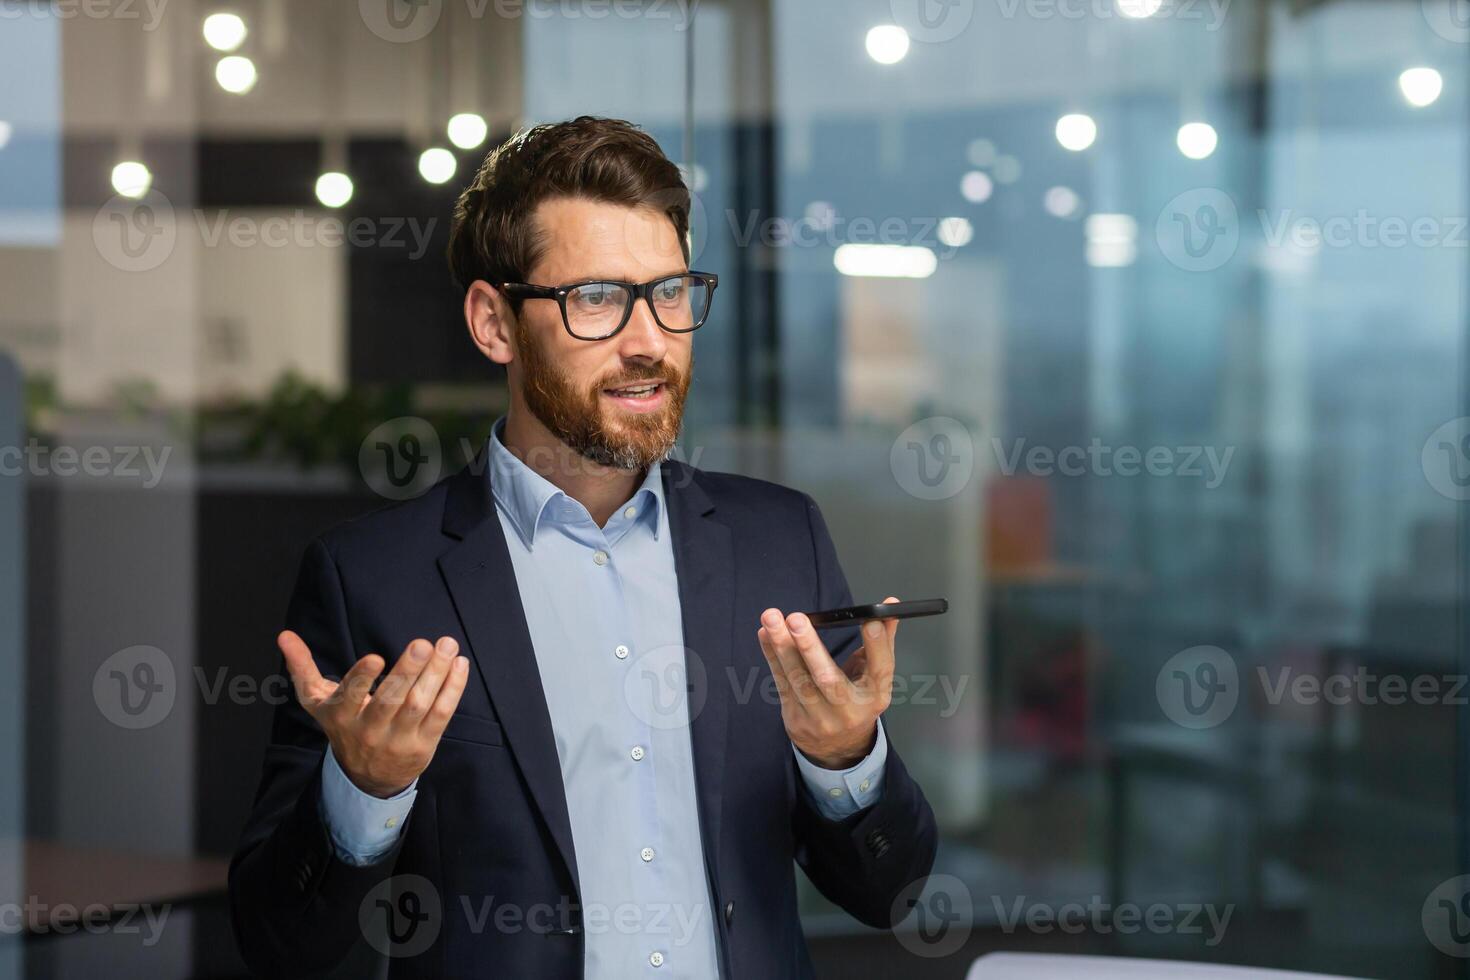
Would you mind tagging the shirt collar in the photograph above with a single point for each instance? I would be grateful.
(529, 498)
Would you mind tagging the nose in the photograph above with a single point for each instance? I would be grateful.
(642, 338)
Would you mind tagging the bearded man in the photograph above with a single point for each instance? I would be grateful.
(532, 734)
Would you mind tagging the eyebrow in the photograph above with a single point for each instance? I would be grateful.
(602, 277)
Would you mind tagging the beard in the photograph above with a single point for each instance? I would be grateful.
(575, 414)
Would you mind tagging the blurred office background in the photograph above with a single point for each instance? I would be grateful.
(1136, 328)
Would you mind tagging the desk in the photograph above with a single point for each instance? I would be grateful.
(57, 873)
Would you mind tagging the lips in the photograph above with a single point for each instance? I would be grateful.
(642, 389)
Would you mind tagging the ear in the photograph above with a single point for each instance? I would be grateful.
(488, 317)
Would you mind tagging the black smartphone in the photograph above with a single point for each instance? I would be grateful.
(852, 615)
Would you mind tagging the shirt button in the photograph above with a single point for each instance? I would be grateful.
(631, 512)
(834, 792)
(637, 753)
(621, 652)
(656, 958)
(646, 854)
(599, 558)
(863, 786)
(391, 823)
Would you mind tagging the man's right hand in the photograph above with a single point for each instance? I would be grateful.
(382, 739)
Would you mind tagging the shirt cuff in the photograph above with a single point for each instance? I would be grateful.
(840, 793)
(363, 827)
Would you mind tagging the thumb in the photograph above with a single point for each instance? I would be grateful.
(299, 663)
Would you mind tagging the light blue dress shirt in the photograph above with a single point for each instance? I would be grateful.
(602, 606)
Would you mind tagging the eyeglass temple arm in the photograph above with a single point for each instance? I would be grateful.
(528, 290)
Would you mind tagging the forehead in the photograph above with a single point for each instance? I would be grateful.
(584, 239)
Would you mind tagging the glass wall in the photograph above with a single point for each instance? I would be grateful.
(1135, 330)
(1186, 287)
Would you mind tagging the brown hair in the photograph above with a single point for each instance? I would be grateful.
(494, 236)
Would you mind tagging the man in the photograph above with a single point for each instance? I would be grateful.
(607, 733)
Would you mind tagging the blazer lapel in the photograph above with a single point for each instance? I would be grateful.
(482, 583)
(704, 564)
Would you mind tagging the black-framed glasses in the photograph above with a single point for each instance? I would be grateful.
(598, 308)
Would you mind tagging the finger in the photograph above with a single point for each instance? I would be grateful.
(784, 647)
(878, 637)
(891, 624)
(421, 696)
(299, 663)
(856, 664)
(438, 716)
(829, 678)
(778, 672)
(392, 693)
(345, 700)
(317, 694)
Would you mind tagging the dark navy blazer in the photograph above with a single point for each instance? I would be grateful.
(491, 816)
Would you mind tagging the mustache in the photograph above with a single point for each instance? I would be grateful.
(670, 374)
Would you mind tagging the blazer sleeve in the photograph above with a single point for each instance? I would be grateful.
(293, 901)
(865, 862)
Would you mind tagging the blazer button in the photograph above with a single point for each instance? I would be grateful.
(729, 912)
(878, 843)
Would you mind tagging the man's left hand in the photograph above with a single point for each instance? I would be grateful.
(830, 711)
